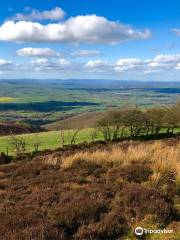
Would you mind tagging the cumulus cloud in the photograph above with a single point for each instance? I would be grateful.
(170, 58)
(54, 14)
(37, 52)
(96, 63)
(86, 53)
(44, 64)
(80, 29)
(127, 64)
(137, 65)
(4, 64)
(98, 66)
(158, 63)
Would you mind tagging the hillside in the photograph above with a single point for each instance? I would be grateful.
(84, 120)
(9, 128)
(92, 191)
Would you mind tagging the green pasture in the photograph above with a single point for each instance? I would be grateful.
(7, 99)
(51, 139)
(48, 140)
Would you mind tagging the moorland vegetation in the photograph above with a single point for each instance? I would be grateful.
(93, 191)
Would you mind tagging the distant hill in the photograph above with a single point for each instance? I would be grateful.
(17, 128)
(84, 120)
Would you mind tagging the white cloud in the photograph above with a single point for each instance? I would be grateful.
(64, 63)
(4, 64)
(177, 66)
(127, 64)
(167, 58)
(87, 29)
(86, 53)
(54, 14)
(44, 64)
(176, 30)
(159, 63)
(37, 52)
(98, 66)
(96, 63)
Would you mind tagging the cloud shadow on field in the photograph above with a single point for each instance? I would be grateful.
(45, 106)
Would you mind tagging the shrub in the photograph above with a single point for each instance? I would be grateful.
(131, 173)
(78, 210)
(111, 226)
(135, 201)
(85, 168)
(165, 181)
(178, 187)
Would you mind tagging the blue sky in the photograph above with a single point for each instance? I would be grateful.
(117, 39)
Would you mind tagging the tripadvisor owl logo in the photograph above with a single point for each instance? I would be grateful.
(139, 231)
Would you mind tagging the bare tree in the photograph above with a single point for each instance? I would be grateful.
(104, 126)
(74, 136)
(62, 137)
(36, 144)
(19, 144)
(93, 135)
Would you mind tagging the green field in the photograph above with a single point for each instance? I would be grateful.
(43, 102)
(49, 140)
(7, 99)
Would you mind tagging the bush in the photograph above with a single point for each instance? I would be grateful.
(165, 181)
(78, 210)
(131, 173)
(112, 226)
(135, 201)
(178, 187)
(85, 168)
(5, 159)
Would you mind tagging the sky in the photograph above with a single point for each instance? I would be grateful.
(90, 39)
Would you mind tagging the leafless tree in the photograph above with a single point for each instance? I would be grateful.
(62, 137)
(74, 136)
(93, 135)
(19, 144)
(36, 144)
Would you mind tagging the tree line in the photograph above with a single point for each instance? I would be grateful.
(133, 121)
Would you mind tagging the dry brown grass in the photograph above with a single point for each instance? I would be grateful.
(157, 154)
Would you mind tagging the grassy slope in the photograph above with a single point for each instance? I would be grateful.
(49, 140)
(84, 120)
